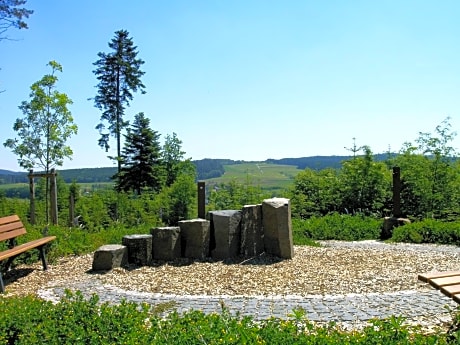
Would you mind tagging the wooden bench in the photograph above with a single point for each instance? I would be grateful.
(11, 227)
(447, 282)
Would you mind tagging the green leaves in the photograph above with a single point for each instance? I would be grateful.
(430, 182)
(79, 320)
(46, 126)
(429, 174)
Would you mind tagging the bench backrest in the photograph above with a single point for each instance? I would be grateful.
(11, 227)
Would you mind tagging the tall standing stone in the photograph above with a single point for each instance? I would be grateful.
(166, 243)
(226, 233)
(195, 234)
(252, 232)
(276, 215)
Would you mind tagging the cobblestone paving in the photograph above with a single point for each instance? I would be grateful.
(430, 307)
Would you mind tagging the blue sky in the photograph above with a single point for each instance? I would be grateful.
(247, 79)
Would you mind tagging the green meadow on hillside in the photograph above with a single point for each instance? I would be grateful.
(269, 177)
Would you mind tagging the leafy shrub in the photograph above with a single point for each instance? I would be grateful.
(337, 227)
(76, 320)
(428, 231)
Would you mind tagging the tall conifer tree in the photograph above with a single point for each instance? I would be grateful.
(119, 76)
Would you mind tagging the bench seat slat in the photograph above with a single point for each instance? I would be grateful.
(11, 227)
(450, 290)
(425, 277)
(12, 234)
(444, 281)
(9, 219)
(25, 247)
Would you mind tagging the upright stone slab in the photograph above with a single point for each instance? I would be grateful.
(166, 243)
(139, 249)
(226, 233)
(109, 256)
(276, 215)
(195, 234)
(252, 232)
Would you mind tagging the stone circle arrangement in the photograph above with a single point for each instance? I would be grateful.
(251, 231)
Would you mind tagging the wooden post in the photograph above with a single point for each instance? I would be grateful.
(32, 196)
(201, 200)
(53, 198)
(71, 210)
(396, 192)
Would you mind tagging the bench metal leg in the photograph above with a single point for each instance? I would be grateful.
(2, 285)
(43, 257)
(8, 263)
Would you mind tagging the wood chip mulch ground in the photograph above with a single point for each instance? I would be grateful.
(334, 268)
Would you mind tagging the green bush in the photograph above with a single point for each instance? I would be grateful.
(76, 320)
(428, 231)
(337, 227)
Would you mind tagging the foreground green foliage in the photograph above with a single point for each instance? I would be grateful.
(76, 320)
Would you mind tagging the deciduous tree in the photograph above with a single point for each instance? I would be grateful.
(172, 157)
(365, 185)
(429, 173)
(46, 126)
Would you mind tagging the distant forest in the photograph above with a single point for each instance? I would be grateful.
(206, 168)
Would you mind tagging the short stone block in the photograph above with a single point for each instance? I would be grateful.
(252, 232)
(109, 256)
(166, 243)
(139, 249)
(195, 235)
(389, 223)
(225, 234)
(276, 214)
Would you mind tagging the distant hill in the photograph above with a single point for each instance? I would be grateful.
(7, 176)
(86, 175)
(320, 162)
(315, 162)
(206, 168)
